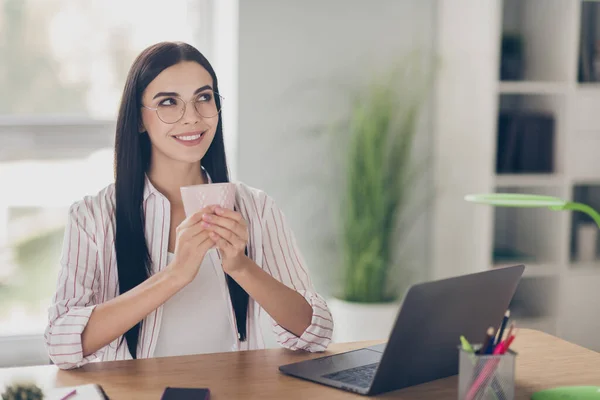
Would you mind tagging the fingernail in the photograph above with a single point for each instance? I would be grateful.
(206, 217)
(205, 224)
(218, 210)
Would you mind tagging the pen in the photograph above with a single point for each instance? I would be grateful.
(502, 328)
(69, 395)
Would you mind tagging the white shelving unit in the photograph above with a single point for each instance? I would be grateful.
(559, 294)
(532, 87)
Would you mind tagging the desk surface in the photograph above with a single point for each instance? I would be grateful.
(544, 361)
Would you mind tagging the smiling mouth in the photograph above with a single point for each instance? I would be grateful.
(189, 139)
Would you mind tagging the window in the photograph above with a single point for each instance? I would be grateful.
(71, 57)
(62, 70)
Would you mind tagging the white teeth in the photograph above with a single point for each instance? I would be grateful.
(189, 138)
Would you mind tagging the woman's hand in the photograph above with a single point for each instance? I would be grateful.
(229, 231)
(192, 243)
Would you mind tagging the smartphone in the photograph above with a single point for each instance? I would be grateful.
(173, 393)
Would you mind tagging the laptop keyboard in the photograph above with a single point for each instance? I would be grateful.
(359, 376)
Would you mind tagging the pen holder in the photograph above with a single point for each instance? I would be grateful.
(486, 376)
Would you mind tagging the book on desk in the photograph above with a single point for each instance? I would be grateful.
(89, 392)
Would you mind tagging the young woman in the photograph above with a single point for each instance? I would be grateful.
(138, 278)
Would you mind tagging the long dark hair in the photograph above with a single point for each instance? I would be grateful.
(132, 160)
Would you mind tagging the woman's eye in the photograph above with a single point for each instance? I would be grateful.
(168, 102)
(204, 97)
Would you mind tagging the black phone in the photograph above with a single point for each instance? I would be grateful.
(173, 393)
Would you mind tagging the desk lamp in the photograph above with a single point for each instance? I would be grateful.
(555, 204)
(532, 201)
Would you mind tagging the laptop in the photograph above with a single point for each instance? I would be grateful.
(423, 344)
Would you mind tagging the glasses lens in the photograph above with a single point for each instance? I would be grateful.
(206, 104)
(170, 110)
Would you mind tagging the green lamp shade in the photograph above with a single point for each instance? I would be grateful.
(516, 200)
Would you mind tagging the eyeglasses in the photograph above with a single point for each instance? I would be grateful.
(171, 109)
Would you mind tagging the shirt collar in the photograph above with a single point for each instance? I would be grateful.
(150, 189)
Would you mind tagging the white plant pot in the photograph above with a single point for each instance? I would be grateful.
(362, 321)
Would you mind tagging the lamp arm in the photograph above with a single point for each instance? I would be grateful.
(580, 207)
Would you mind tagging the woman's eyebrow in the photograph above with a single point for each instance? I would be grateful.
(164, 94)
(203, 88)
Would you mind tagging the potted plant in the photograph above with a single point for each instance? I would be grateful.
(380, 171)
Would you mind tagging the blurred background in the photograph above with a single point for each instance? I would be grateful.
(492, 96)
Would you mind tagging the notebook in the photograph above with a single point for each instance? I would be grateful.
(89, 392)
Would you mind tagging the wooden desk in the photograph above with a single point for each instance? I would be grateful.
(544, 361)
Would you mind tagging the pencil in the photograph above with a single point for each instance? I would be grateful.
(510, 329)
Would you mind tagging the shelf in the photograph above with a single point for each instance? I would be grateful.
(591, 268)
(586, 181)
(532, 270)
(589, 86)
(535, 180)
(531, 87)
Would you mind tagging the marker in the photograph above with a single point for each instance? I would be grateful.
(500, 348)
(466, 345)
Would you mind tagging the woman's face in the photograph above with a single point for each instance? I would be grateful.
(185, 120)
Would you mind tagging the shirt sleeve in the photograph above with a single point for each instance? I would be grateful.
(76, 291)
(283, 261)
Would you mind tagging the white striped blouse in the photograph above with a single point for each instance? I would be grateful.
(88, 275)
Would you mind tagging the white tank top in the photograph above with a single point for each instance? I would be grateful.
(195, 320)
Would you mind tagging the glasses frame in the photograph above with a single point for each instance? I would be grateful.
(185, 103)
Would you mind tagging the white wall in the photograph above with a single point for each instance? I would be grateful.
(285, 46)
(224, 59)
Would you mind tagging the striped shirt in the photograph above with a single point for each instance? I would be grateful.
(88, 275)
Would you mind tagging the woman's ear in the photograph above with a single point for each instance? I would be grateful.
(141, 127)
